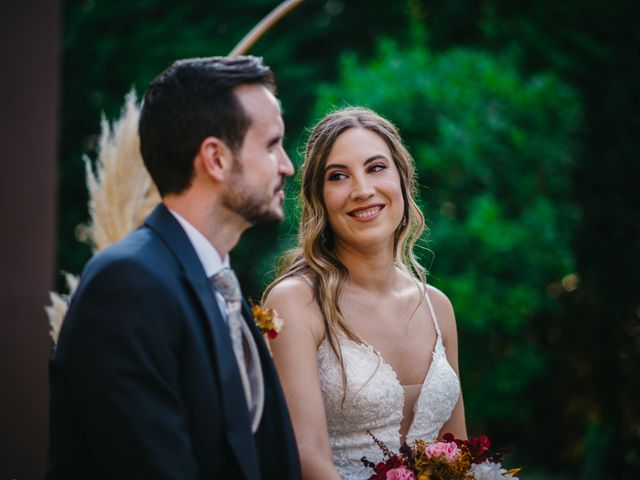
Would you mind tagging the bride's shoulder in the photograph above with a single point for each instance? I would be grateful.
(295, 289)
(294, 300)
(443, 310)
(438, 298)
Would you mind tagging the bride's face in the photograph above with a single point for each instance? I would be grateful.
(361, 190)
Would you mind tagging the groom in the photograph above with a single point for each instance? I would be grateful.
(160, 371)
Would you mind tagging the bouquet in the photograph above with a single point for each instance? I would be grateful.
(450, 459)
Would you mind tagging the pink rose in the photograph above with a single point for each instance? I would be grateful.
(448, 449)
(400, 473)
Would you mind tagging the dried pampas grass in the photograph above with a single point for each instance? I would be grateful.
(59, 305)
(121, 195)
(121, 191)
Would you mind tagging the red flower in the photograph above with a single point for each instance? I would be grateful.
(479, 448)
(448, 437)
(382, 468)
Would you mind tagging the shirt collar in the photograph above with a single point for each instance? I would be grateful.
(208, 255)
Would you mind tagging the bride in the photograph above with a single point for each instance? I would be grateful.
(368, 345)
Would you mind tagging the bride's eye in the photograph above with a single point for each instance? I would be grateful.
(335, 176)
(377, 167)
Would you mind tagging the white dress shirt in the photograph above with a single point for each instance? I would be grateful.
(207, 254)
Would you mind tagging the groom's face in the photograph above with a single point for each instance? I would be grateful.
(256, 189)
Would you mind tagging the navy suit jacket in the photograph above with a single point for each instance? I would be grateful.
(144, 383)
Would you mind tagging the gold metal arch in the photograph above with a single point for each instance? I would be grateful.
(264, 26)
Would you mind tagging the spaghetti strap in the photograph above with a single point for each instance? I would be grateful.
(432, 311)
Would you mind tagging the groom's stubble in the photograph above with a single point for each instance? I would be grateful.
(257, 208)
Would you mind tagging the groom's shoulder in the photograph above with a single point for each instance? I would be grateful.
(141, 252)
(125, 286)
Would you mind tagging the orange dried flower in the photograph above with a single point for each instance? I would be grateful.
(267, 320)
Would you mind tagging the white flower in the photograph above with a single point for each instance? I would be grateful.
(490, 471)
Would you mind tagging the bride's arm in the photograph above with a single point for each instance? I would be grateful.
(446, 318)
(295, 354)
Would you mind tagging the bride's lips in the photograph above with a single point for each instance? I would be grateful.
(367, 213)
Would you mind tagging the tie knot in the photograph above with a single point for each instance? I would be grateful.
(226, 282)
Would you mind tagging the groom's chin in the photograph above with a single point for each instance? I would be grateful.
(269, 220)
(271, 217)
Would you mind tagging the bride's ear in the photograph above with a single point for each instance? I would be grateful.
(214, 159)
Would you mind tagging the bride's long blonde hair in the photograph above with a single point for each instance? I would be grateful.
(314, 256)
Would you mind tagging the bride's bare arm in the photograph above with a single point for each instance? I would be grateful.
(295, 354)
(446, 318)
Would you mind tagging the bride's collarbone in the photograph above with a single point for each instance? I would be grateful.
(393, 310)
(393, 321)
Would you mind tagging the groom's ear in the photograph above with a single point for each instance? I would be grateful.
(214, 159)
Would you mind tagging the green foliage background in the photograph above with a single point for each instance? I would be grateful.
(493, 152)
(522, 119)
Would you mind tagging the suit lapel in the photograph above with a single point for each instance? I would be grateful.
(237, 420)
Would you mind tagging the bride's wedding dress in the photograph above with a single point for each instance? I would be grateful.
(375, 401)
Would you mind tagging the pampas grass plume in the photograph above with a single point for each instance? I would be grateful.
(59, 306)
(121, 191)
(121, 195)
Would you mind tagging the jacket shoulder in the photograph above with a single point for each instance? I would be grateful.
(141, 250)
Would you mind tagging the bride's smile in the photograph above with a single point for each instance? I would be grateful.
(366, 214)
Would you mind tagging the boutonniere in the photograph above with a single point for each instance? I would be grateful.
(267, 320)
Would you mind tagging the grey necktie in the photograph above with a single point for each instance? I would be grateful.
(244, 347)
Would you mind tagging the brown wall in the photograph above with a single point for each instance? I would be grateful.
(29, 50)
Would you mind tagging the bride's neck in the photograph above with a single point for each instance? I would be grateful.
(373, 271)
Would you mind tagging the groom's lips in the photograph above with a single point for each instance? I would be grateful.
(279, 188)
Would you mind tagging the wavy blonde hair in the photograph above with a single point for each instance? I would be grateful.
(314, 256)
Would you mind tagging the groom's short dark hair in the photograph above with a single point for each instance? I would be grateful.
(192, 100)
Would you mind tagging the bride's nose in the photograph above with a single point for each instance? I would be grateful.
(362, 188)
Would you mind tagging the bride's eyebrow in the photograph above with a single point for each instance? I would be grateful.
(372, 158)
(375, 157)
(334, 165)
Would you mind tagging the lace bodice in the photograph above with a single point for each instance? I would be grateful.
(375, 400)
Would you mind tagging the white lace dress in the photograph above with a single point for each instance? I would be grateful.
(375, 401)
